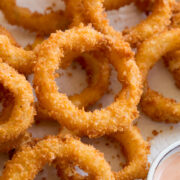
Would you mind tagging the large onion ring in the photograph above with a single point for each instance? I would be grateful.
(111, 119)
(137, 163)
(26, 163)
(153, 104)
(22, 114)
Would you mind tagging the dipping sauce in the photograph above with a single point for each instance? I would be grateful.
(169, 168)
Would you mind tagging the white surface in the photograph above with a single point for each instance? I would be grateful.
(159, 79)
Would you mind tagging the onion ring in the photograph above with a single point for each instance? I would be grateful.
(111, 119)
(51, 149)
(153, 104)
(22, 114)
(98, 72)
(156, 22)
(137, 163)
(33, 21)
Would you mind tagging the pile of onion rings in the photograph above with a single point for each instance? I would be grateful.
(83, 33)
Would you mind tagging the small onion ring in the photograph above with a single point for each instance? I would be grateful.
(22, 114)
(153, 104)
(137, 163)
(111, 119)
(34, 21)
(26, 163)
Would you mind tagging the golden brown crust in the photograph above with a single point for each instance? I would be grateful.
(111, 119)
(26, 163)
(153, 104)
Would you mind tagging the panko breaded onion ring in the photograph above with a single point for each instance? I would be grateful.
(153, 104)
(22, 115)
(110, 119)
(42, 23)
(16, 143)
(135, 149)
(172, 61)
(26, 163)
(23, 61)
(157, 21)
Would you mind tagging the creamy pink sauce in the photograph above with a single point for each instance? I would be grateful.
(169, 169)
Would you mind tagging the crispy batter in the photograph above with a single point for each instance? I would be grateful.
(26, 163)
(156, 22)
(153, 104)
(22, 114)
(20, 59)
(111, 119)
(137, 163)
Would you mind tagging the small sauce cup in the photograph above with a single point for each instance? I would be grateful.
(172, 149)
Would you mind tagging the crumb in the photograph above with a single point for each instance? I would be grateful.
(107, 144)
(161, 131)
(74, 66)
(155, 133)
(57, 75)
(100, 105)
(149, 139)
(44, 178)
(171, 128)
(97, 142)
(136, 123)
(113, 157)
(69, 74)
(118, 156)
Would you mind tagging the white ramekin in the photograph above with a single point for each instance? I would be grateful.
(164, 154)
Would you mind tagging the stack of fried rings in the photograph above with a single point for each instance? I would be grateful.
(59, 50)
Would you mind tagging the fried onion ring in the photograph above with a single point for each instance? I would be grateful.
(156, 22)
(34, 21)
(111, 119)
(26, 163)
(153, 104)
(22, 113)
(137, 163)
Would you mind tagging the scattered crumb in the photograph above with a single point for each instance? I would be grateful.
(113, 157)
(161, 131)
(149, 139)
(171, 128)
(69, 74)
(100, 105)
(107, 144)
(136, 123)
(155, 133)
(57, 75)
(118, 156)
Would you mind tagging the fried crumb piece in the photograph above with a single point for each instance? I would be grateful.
(149, 139)
(107, 144)
(100, 105)
(161, 131)
(171, 128)
(113, 157)
(155, 133)
(69, 74)
(118, 156)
